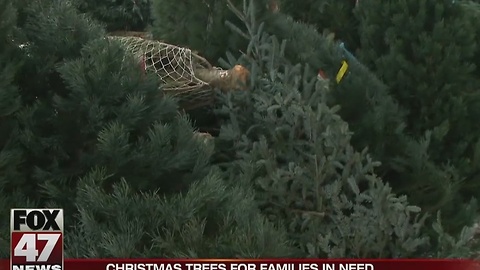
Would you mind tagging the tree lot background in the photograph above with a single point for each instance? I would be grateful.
(384, 164)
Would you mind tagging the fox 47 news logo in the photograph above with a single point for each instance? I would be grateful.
(36, 239)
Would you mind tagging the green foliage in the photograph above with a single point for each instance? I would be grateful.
(85, 129)
(39, 82)
(406, 47)
(200, 216)
(373, 115)
(334, 16)
(114, 106)
(200, 30)
(472, 10)
(99, 139)
(199, 25)
(379, 123)
(132, 15)
(449, 247)
(295, 151)
(417, 61)
(11, 157)
(52, 31)
(210, 220)
(9, 64)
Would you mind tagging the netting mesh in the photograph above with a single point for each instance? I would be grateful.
(175, 66)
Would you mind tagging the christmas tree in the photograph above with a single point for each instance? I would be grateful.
(100, 140)
(373, 114)
(200, 25)
(332, 16)
(95, 133)
(118, 15)
(295, 151)
(406, 47)
(12, 179)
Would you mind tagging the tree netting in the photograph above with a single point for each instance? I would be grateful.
(184, 74)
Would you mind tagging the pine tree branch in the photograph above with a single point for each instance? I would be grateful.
(306, 212)
(237, 12)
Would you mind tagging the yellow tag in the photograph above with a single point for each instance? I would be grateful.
(342, 71)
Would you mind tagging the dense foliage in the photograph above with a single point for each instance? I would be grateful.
(299, 165)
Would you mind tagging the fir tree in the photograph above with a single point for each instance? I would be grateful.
(144, 145)
(9, 94)
(295, 151)
(472, 10)
(210, 220)
(373, 115)
(51, 32)
(12, 179)
(424, 51)
(378, 122)
(119, 14)
(334, 16)
(200, 25)
(102, 141)
(90, 132)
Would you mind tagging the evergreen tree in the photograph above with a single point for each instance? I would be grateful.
(295, 151)
(200, 25)
(51, 33)
(11, 156)
(166, 157)
(471, 10)
(119, 15)
(87, 130)
(373, 115)
(378, 122)
(334, 16)
(210, 220)
(424, 51)
(101, 141)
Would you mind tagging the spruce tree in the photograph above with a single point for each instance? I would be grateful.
(166, 157)
(295, 151)
(378, 122)
(333, 16)
(210, 220)
(119, 15)
(12, 178)
(423, 50)
(472, 11)
(93, 134)
(102, 141)
(51, 33)
(373, 115)
(200, 25)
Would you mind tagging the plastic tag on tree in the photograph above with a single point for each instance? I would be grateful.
(341, 72)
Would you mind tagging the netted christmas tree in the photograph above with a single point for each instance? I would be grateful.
(104, 142)
(119, 15)
(185, 75)
(295, 151)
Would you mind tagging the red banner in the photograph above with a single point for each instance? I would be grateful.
(260, 264)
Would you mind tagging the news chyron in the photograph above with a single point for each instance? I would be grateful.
(36, 239)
